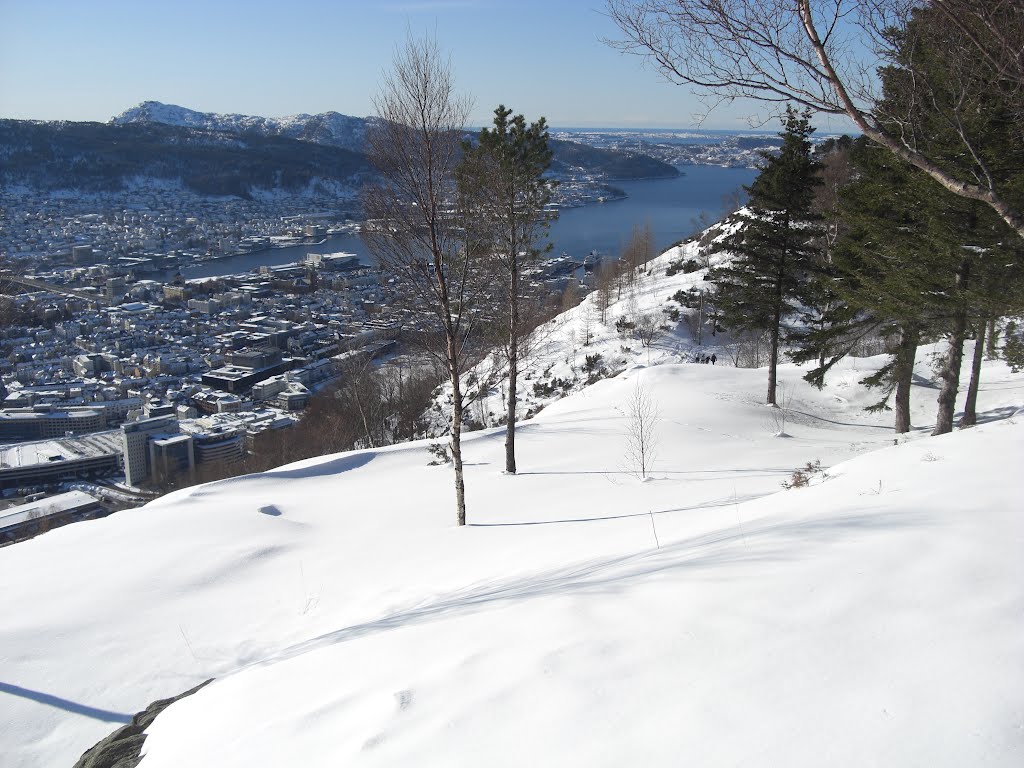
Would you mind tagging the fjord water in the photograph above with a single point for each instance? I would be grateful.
(670, 206)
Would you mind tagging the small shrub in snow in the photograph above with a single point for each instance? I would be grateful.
(689, 298)
(593, 363)
(647, 329)
(624, 326)
(687, 266)
(802, 477)
(548, 388)
(440, 453)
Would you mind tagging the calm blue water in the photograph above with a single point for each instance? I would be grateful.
(670, 206)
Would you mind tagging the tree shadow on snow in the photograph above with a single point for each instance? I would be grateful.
(66, 704)
(859, 425)
(727, 501)
(326, 468)
(994, 414)
(739, 544)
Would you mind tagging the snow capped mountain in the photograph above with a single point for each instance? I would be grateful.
(331, 128)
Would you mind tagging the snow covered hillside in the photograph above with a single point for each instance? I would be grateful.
(330, 128)
(583, 617)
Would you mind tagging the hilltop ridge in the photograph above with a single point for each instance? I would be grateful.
(330, 128)
(311, 156)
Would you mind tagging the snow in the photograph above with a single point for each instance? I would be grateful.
(326, 128)
(873, 618)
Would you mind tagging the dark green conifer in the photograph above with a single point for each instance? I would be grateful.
(776, 247)
(502, 179)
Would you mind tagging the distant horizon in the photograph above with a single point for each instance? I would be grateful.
(597, 127)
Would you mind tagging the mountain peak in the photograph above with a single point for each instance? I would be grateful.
(158, 112)
(331, 128)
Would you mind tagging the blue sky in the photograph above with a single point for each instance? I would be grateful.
(92, 59)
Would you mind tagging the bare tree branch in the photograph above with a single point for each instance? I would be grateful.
(415, 226)
(825, 55)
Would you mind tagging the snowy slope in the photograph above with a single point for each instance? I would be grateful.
(876, 617)
(835, 626)
(555, 363)
(329, 128)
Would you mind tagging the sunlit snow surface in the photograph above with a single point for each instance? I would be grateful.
(875, 618)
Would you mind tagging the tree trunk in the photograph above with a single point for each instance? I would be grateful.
(970, 417)
(700, 320)
(456, 444)
(903, 373)
(949, 374)
(513, 373)
(991, 352)
(773, 360)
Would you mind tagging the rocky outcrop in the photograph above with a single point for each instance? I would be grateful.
(123, 748)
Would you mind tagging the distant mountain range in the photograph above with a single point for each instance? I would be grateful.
(105, 157)
(239, 155)
(329, 128)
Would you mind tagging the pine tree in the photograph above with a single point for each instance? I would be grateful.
(502, 177)
(775, 248)
(913, 261)
(885, 271)
(955, 104)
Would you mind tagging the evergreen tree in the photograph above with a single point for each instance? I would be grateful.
(776, 246)
(913, 260)
(826, 322)
(502, 179)
(883, 273)
(957, 103)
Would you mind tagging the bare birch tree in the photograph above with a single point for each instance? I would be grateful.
(642, 417)
(414, 227)
(825, 55)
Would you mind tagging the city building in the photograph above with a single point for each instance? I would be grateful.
(45, 421)
(220, 444)
(136, 437)
(171, 456)
(53, 461)
(27, 520)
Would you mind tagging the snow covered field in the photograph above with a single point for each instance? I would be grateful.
(874, 618)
